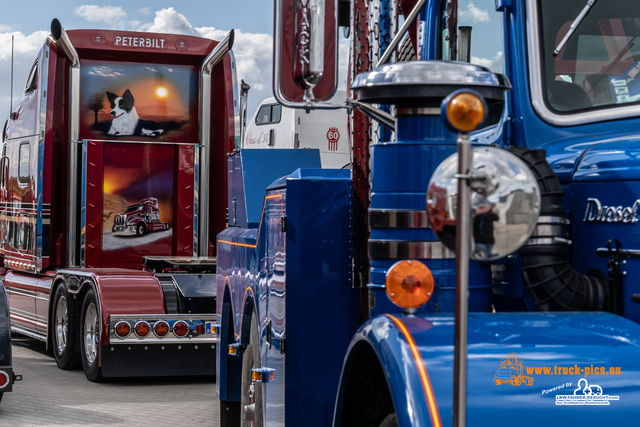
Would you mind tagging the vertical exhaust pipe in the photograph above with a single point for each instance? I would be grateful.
(201, 243)
(464, 40)
(244, 95)
(62, 40)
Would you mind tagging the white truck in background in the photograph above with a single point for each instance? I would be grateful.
(277, 126)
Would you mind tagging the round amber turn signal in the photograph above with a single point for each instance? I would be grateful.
(465, 111)
(409, 284)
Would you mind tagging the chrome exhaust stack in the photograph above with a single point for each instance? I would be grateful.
(201, 245)
(60, 37)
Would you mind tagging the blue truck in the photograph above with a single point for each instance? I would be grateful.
(384, 294)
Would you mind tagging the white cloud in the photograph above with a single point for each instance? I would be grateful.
(94, 13)
(494, 64)
(24, 46)
(254, 61)
(25, 49)
(170, 21)
(145, 11)
(474, 14)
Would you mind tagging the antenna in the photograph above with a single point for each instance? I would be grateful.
(11, 98)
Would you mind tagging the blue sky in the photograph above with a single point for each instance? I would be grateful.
(29, 22)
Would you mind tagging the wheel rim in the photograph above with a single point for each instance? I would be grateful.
(62, 324)
(91, 333)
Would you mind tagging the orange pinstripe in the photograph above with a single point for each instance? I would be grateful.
(249, 245)
(422, 371)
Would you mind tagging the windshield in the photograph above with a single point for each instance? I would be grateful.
(598, 66)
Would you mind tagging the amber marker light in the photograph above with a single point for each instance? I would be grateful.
(464, 110)
(263, 375)
(409, 284)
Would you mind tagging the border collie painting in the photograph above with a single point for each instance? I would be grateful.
(125, 117)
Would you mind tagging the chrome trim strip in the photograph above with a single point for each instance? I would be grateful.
(387, 218)
(21, 292)
(26, 315)
(122, 141)
(553, 220)
(547, 241)
(418, 111)
(402, 249)
(623, 253)
(535, 83)
(170, 338)
(29, 333)
(40, 131)
(547, 230)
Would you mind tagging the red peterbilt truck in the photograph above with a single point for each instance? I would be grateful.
(139, 218)
(110, 119)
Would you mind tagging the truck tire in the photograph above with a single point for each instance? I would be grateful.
(90, 337)
(64, 330)
(390, 420)
(140, 229)
(251, 397)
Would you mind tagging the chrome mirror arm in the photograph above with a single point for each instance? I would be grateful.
(374, 113)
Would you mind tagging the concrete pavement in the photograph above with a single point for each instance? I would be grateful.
(48, 396)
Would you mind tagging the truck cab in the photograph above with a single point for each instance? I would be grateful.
(274, 125)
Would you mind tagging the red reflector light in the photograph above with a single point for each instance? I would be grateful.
(161, 328)
(200, 328)
(4, 379)
(180, 328)
(142, 329)
(122, 329)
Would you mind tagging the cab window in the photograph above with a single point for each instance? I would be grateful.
(268, 114)
(598, 65)
(32, 80)
(23, 164)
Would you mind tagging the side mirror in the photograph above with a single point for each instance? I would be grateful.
(504, 208)
(305, 61)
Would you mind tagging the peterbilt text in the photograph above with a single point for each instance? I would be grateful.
(156, 43)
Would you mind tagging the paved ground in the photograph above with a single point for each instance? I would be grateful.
(48, 396)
